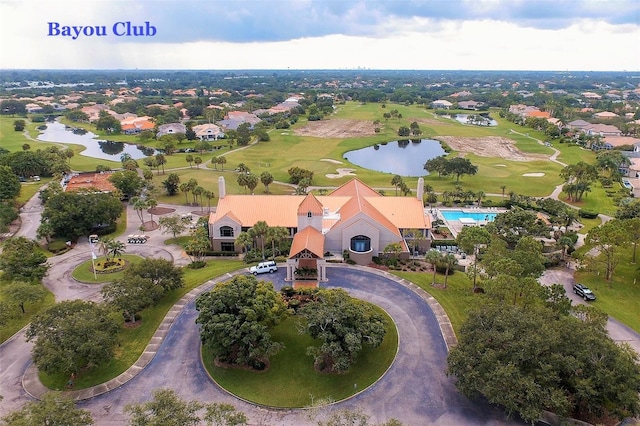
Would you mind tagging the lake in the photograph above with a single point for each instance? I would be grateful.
(96, 148)
(404, 158)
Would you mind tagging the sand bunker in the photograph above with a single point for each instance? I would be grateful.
(331, 160)
(341, 173)
(533, 174)
(489, 146)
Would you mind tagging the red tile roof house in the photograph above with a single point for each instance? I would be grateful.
(354, 219)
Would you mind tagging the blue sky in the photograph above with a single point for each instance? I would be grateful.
(307, 34)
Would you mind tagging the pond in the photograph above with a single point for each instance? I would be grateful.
(404, 158)
(96, 148)
(475, 119)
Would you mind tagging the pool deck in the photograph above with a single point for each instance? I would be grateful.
(455, 226)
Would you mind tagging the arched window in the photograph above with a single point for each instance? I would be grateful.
(226, 231)
(309, 214)
(360, 244)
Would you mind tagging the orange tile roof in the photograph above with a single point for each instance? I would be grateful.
(538, 114)
(90, 180)
(358, 205)
(354, 188)
(309, 238)
(310, 204)
(410, 215)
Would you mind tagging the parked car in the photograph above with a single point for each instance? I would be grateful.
(583, 291)
(137, 239)
(264, 267)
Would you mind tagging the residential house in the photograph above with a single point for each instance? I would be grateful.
(134, 125)
(470, 105)
(605, 115)
(170, 129)
(602, 130)
(208, 132)
(354, 219)
(233, 119)
(441, 104)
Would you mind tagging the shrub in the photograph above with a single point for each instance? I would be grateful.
(587, 214)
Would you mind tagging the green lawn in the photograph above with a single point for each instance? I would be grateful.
(134, 340)
(622, 299)
(456, 299)
(291, 380)
(14, 325)
(83, 272)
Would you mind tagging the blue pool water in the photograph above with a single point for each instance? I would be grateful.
(458, 214)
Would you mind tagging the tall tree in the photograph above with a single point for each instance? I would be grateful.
(397, 181)
(344, 326)
(172, 224)
(9, 184)
(161, 272)
(72, 335)
(608, 239)
(235, 318)
(267, 179)
(54, 409)
(259, 232)
(172, 184)
(21, 260)
(471, 239)
(130, 295)
(433, 258)
(21, 293)
(531, 359)
(165, 409)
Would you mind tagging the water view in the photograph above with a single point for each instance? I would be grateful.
(96, 148)
(404, 158)
(475, 119)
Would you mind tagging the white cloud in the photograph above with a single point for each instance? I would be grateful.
(398, 42)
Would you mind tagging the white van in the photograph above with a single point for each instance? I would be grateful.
(264, 267)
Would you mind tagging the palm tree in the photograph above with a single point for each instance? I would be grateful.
(503, 187)
(198, 161)
(189, 159)
(396, 181)
(275, 235)
(222, 161)
(209, 195)
(480, 195)
(433, 258)
(215, 161)
(139, 204)
(448, 261)
(115, 248)
(198, 191)
(151, 204)
(244, 240)
(184, 187)
(259, 231)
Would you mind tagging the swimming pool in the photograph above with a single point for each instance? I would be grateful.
(465, 216)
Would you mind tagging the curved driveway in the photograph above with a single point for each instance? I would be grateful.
(415, 390)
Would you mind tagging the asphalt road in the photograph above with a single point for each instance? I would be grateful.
(415, 390)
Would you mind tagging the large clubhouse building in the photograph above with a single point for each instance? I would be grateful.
(353, 219)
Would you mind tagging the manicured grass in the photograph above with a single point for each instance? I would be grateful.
(622, 300)
(456, 299)
(134, 340)
(29, 189)
(14, 325)
(291, 380)
(83, 272)
(597, 199)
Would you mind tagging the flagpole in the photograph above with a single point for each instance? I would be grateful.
(93, 260)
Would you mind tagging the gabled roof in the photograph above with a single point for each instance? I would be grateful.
(357, 205)
(309, 238)
(310, 204)
(355, 188)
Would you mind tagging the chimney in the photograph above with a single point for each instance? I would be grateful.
(420, 190)
(222, 190)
